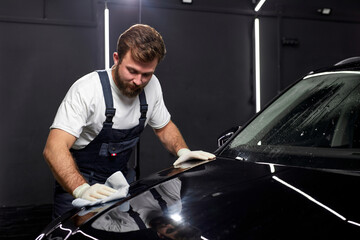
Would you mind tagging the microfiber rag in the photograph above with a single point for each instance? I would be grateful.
(116, 181)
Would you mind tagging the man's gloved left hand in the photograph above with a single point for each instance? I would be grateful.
(185, 154)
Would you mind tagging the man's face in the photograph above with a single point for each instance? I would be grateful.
(131, 76)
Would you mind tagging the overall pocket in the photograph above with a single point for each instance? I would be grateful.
(112, 149)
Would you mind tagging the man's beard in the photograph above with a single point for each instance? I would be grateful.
(125, 88)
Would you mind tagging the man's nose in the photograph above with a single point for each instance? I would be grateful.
(137, 79)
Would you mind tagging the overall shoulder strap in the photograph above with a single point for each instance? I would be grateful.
(105, 83)
(143, 108)
(143, 105)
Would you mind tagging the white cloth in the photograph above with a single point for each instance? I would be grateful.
(82, 112)
(116, 181)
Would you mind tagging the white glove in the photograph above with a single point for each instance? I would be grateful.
(185, 154)
(94, 192)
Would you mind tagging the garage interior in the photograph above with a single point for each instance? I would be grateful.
(208, 76)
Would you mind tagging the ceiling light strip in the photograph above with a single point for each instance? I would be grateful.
(259, 5)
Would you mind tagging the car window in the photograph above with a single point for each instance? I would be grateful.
(320, 111)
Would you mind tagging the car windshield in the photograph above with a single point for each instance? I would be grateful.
(319, 112)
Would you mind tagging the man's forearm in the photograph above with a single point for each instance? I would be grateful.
(171, 138)
(64, 170)
(61, 162)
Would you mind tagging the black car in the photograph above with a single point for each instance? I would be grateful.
(292, 172)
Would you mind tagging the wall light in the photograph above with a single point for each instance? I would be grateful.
(324, 11)
(186, 1)
(257, 63)
(259, 5)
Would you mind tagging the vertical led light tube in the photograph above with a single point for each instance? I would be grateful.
(106, 37)
(257, 63)
(140, 10)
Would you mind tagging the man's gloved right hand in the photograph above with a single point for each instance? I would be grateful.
(94, 192)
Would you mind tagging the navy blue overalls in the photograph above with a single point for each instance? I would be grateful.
(107, 153)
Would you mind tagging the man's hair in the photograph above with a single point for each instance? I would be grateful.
(144, 43)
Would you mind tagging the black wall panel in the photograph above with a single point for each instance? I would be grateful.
(270, 64)
(79, 10)
(320, 43)
(38, 63)
(22, 9)
(205, 76)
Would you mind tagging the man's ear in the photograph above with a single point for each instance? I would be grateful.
(116, 58)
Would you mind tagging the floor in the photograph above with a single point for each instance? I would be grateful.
(24, 222)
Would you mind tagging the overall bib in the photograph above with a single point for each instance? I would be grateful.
(107, 153)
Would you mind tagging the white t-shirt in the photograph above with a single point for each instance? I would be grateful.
(82, 112)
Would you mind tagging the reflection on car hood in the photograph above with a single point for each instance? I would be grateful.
(227, 199)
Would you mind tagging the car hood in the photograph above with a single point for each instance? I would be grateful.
(226, 199)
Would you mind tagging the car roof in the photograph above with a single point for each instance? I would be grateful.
(349, 64)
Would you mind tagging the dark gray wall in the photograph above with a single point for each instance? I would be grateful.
(207, 75)
(43, 48)
(322, 40)
(202, 78)
(334, 42)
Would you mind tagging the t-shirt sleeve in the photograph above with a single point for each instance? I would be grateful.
(72, 113)
(160, 115)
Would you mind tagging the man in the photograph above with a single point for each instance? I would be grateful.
(102, 116)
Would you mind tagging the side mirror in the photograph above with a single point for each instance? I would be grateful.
(226, 135)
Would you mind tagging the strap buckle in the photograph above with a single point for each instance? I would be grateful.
(109, 113)
(143, 110)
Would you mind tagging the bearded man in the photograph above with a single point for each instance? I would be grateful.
(102, 116)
